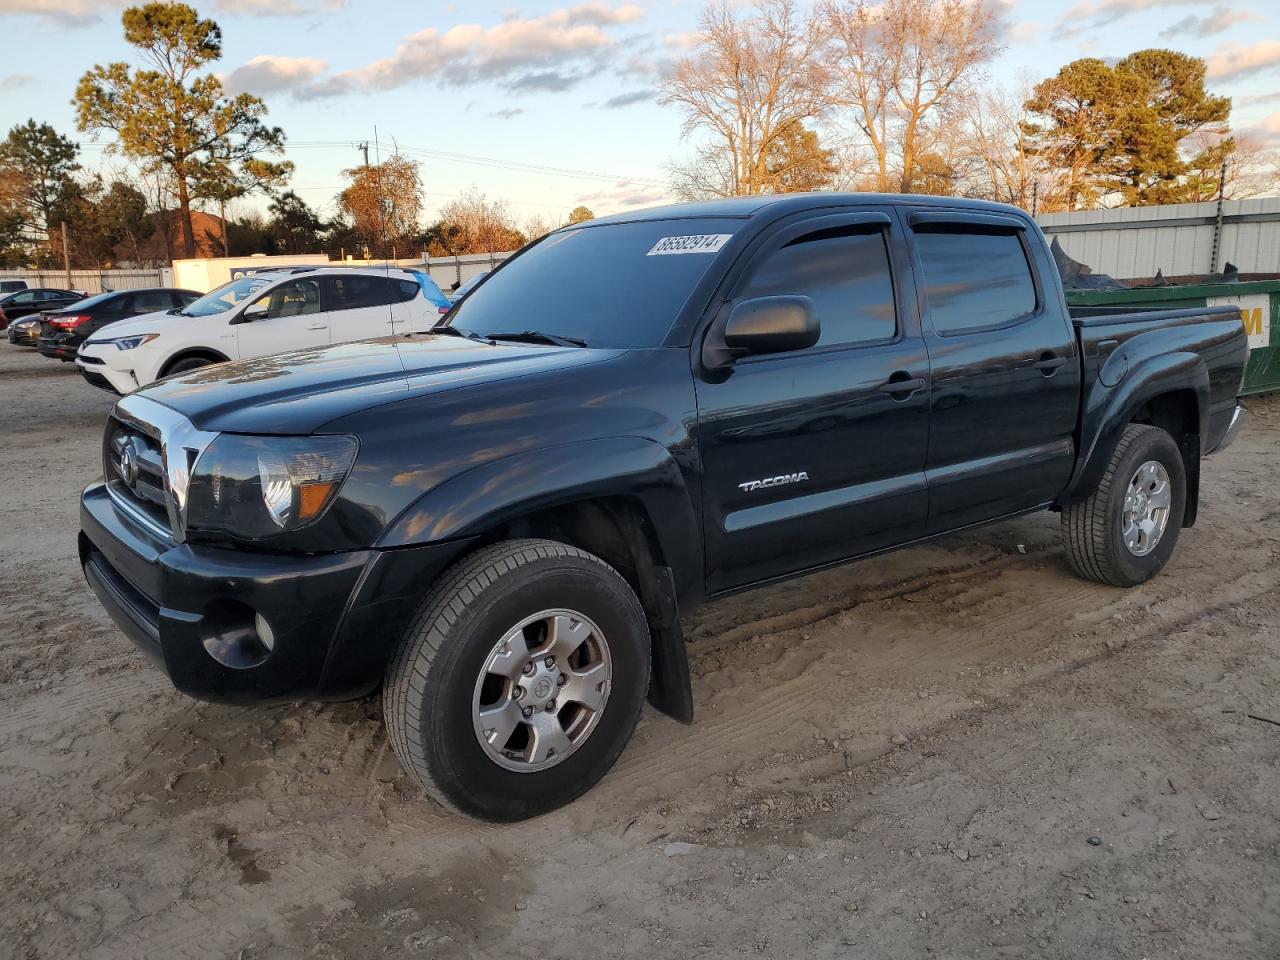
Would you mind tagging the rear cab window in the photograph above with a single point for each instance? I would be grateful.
(613, 285)
(974, 277)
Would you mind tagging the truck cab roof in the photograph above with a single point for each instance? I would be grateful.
(774, 205)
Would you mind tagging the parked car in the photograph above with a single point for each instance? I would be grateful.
(12, 286)
(25, 332)
(255, 316)
(62, 331)
(26, 302)
(468, 285)
(502, 524)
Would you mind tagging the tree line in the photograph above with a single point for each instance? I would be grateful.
(893, 96)
(876, 95)
(186, 146)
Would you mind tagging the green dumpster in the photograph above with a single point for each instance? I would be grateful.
(1257, 300)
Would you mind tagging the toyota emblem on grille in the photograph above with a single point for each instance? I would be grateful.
(129, 465)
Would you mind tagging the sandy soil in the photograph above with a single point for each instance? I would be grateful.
(956, 751)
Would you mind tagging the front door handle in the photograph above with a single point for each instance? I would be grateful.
(902, 385)
(1049, 362)
(318, 326)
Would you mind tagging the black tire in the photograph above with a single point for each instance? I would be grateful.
(1092, 529)
(185, 364)
(431, 681)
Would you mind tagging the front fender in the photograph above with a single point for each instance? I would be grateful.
(495, 493)
(1108, 410)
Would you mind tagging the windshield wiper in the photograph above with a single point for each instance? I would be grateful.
(537, 336)
(452, 331)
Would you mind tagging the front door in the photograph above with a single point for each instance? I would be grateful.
(817, 455)
(292, 321)
(1006, 376)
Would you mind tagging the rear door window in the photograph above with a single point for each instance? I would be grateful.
(356, 292)
(975, 278)
(150, 301)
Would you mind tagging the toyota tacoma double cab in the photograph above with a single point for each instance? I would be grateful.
(499, 523)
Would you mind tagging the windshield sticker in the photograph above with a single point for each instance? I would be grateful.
(698, 243)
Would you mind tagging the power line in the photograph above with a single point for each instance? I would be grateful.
(451, 196)
(472, 159)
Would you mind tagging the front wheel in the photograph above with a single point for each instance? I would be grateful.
(1125, 531)
(520, 680)
(185, 364)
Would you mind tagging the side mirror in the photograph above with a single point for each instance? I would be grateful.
(254, 311)
(771, 325)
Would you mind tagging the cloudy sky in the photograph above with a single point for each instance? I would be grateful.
(547, 106)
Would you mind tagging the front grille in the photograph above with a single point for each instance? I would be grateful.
(134, 469)
(148, 453)
(96, 361)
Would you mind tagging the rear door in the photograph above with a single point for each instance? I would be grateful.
(358, 306)
(818, 455)
(115, 307)
(1006, 378)
(293, 320)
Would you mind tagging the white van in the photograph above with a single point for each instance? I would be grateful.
(258, 315)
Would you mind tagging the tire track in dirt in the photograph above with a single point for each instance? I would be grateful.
(686, 756)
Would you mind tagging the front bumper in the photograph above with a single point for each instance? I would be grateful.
(99, 362)
(334, 619)
(23, 336)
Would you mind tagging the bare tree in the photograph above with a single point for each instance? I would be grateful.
(899, 64)
(539, 225)
(1006, 167)
(749, 81)
(472, 223)
(1252, 170)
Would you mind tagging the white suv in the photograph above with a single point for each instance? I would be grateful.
(262, 314)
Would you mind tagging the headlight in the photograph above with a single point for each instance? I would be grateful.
(254, 487)
(130, 343)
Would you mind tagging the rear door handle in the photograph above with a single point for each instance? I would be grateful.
(1049, 362)
(318, 326)
(902, 385)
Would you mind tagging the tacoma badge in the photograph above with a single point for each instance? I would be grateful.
(753, 485)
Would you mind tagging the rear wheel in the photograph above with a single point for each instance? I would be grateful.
(1125, 531)
(520, 681)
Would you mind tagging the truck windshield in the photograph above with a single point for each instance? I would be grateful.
(224, 298)
(613, 285)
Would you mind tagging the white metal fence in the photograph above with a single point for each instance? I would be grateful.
(1178, 238)
(449, 271)
(446, 271)
(93, 281)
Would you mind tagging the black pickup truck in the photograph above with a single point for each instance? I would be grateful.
(500, 524)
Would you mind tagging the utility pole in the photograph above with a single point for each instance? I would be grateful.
(222, 215)
(364, 148)
(66, 255)
(1217, 223)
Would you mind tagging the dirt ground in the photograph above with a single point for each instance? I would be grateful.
(959, 750)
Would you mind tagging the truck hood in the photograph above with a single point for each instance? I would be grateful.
(301, 391)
